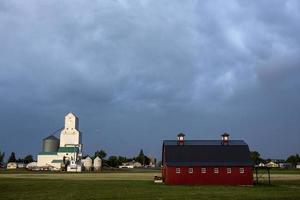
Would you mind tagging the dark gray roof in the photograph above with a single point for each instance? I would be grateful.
(204, 142)
(206, 153)
(52, 137)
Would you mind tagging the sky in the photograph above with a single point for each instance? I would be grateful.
(137, 72)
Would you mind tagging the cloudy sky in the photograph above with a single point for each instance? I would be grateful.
(140, 71)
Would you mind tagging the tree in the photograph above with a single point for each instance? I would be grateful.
(141, 157)
(158, 164)
(2, 155)
(121, 160)
(294, 159)
(101, 154)
(28, 159)
(112, 161)
(12, 157)
(147, 160)
(255, 156)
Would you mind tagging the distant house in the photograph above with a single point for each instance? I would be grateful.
(285, 165)
(131, 164)
(272, 164)
(277, 160)
(261, 164)
(11, 165)
(215, 162)
(31, 166)
(21, 165)
(298, 166)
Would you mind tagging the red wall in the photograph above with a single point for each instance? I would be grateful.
(208, 178)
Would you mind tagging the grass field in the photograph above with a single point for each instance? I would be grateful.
(134, 185)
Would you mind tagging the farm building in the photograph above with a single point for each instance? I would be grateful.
(211, 162)
(87, 163)
(97, 164)
(12, 165)
(272, 164)
(66, 150)
(131, 164)
(285, 165)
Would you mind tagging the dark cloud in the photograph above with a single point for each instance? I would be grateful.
(138, 72)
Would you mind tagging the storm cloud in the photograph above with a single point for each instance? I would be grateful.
(139, 71)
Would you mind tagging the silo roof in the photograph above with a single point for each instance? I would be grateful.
(97, 158)
(52, 137)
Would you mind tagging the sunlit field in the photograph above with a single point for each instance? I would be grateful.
(136, 185)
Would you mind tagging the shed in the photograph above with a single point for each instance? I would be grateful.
(11, 165)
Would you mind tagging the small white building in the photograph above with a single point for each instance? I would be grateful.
(31, 165)
(272, 164)
(11, 165)
(285, 165)
(298, 166)
(261, 164)
(131, 164)
(21, 165)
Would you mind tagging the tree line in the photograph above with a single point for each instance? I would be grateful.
(112, 161)
(256, 158)
(115, 161)
(12, 158)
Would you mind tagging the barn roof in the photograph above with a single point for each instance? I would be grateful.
(206, 153)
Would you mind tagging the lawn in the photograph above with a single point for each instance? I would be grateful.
(281, 171)
(131, 185)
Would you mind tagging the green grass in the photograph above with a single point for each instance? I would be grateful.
(133, 185)
(114, 170)
(281, 171)
(125, 189)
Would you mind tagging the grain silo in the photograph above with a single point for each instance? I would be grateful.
(97, 164)
(50, 144)
(87, 163)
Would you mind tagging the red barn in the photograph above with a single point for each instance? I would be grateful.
(209, 162)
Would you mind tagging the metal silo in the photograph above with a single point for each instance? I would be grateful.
(50, 144)
(97, 164)
(87, 163)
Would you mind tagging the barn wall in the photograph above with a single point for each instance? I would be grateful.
(208, 178)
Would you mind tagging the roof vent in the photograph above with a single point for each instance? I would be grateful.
(180, 138)
(225, 138)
